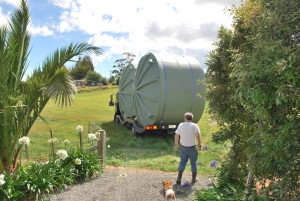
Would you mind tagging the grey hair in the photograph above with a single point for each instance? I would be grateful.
(188, 116)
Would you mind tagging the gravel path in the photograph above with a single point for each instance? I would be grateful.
(130, 184)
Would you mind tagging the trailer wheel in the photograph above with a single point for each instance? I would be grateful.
(133, 130)
(116, 119)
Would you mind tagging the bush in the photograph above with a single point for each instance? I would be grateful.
(39, 179)
(86, 163)
(226, 192)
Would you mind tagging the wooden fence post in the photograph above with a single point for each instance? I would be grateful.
(52, 144)
(102, 146)
(80, 140)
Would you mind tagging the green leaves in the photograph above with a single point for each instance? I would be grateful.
(255, 94)
(39, 179)
(21, 102)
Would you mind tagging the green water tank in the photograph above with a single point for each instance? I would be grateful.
(125, 97)
(166, 87)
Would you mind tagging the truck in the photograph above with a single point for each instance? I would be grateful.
(154, 96)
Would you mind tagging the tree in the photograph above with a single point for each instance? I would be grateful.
(82, 67)
(93, 76)
(22, 102)
(261, 88)
(120, 64)
(104, 81)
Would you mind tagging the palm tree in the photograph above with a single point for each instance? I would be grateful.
(21, 102)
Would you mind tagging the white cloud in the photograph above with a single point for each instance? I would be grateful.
(11, 2)
(186, 27)
(62, 3)
(184, 24)
(39, 30)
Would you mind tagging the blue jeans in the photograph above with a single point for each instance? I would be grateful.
(187, 153)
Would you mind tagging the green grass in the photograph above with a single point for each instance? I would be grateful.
(126, 149)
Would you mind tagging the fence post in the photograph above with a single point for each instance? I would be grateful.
(80, 140)
(102, 146)
(52, 144)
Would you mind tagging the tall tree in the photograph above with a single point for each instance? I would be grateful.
(93, 76)
(264, 82)
(121, 63)
(22, 102)
(82, 67)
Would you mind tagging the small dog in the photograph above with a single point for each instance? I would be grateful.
(168, 190)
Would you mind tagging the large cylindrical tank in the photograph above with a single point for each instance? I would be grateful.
(166, 87)
(125, 97)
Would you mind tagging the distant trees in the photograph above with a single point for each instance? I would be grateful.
(93, 76)
(120, 64)
(84, 69)
(253, 91)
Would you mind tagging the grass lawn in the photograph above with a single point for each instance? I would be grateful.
(126, 149)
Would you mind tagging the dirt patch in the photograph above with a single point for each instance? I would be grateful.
(132, 184)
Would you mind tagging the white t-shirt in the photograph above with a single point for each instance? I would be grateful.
(187, 132)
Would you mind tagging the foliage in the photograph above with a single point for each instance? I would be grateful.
(93, 76)
(82, 67)
(104, 81)
(89, 166)
(40, 179)
(254, 87)
(21, 102)
(121, 63)
(79, 72)
(227, 192)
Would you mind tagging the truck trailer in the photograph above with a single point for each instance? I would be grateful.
(155, 95)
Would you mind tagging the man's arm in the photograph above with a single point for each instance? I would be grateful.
(198, 140)
(176, 140)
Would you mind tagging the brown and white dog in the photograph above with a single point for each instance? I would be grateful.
(168, 190)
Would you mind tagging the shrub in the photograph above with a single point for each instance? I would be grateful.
(39, 179)
(88, 167)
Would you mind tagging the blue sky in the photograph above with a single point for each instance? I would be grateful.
(186, 28)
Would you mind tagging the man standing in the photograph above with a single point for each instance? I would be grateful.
(186, 134)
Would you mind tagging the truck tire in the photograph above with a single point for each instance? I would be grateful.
(116, 119)
(134, 131)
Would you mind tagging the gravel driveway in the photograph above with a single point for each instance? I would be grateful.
(130, 184)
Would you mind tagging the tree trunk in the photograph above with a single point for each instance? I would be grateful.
(249, 183)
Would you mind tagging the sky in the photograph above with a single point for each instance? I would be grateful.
(181, 27)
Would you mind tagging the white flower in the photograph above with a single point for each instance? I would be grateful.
(77, 161)
(24, 140)
(2, 179)
(62, 154)
(92, 136)
(66, 141)
(79, 128)
(108, 146)
(53, 140)
(98, 134)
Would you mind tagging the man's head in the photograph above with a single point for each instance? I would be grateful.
(188, 116)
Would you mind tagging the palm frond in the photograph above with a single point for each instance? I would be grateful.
(61, 88)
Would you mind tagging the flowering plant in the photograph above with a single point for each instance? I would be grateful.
(24, 140)
(2, 179)
(79, 128)
(92, 137)
(53, 140)
(98, 135)
(62, 154)
(77, 161)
